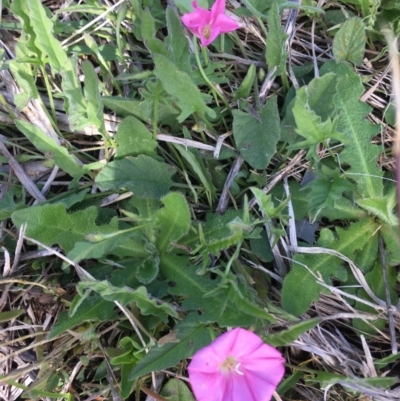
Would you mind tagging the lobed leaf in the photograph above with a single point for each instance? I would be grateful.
(51, 224)
(125, 295)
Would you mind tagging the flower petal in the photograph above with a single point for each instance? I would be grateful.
(208, 387)
(202, 11)
(217, 8)
(261, 388)
(225, 23)
(193, 21)
(238, 343)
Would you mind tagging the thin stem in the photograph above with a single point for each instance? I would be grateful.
(205, 55)
(203, 74)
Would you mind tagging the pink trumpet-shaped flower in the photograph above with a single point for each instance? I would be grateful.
(237, 366)
(208, 24)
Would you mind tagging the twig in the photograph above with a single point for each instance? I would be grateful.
(223, 200)
(25, 180)
(392, 330)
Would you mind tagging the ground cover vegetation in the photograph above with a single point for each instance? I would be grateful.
(156, 192)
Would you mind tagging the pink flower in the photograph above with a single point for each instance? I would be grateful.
(237, 366)
(208, 24)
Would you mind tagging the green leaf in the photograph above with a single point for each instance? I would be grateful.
(74, 103)
(179, 85)
(10, 315)
(123, 107)
(177, 43)
(125, 295)
(286, 337)
(300, 287)
(134, 139)
(148, 31)
(255, 138)
(276, 53)
(90, 309)
(51, 224)
(145, 176)
(172, 221)
(320, 95)
(20, 8)
(196, 164)
(377, 285)
(358, 153)
(382, 208)
(48, 145)
(186, 282)
(8, 205)
(349, 42)
(328, 187)
(94, 104)
(192, 337)
(176, 390)
(46, 42)
(309, 124)
(247, 84)
(96, 250)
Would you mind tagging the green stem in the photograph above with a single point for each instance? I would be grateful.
(205, 55)
(49, 93)
(155, 119)
(203, 74)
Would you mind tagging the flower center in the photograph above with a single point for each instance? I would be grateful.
(206, 31)
(231, 365)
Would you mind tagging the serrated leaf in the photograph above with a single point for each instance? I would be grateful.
(179, 85)
(382, 208)
(192, 335)
(328, 187)
(125, 295)
(310, 126)
(51, 224)
(123, 107)
(134, 139)
(92, 308)
(172, 221)
(176, 390)
(255, 138)
(186, 282)
(48, 145)
(145, 176)
(349, 42)
(358, 153)
(276, 53)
